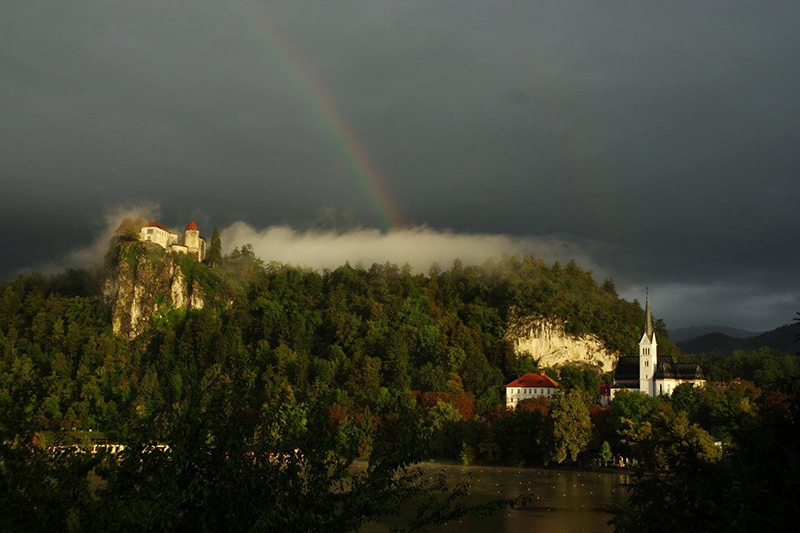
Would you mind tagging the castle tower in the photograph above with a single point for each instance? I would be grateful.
(648, 352)
(192, 241)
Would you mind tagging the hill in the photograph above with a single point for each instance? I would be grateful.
(101, 353)
(692, 332)
(782, 339)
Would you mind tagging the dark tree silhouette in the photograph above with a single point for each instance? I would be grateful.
(214, 255)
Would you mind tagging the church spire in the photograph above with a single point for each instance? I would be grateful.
(648, 324)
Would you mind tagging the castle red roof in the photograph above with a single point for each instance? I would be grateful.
(533, 380)
(154, 224)
(192, 226)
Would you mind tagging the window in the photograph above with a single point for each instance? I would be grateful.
(149, 231)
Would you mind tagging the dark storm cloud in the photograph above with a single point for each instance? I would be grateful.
(666, 130)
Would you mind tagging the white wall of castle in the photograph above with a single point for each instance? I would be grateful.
(178, 249)
(158, 236)
(192, 242)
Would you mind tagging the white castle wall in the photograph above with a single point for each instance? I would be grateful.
(192, 243)
(158, 236)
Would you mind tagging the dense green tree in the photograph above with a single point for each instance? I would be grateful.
(581, 377)
(609, 286)
(605, 452)
(214, 255)
(686, 398)
(666, 440)
(569, 428)
(689, 483)
(765, 367)
(629, 408)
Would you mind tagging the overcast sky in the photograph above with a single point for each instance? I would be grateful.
(657, 142)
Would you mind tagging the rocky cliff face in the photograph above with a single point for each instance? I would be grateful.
(549, 343)
(141, 286)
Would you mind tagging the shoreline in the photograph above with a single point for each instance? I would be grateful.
(449, 463)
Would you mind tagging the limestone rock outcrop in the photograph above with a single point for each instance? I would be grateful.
(547, 341)
(142, 286)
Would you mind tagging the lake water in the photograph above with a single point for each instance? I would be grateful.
(566, 501)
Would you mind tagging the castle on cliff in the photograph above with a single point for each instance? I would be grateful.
(191, 243)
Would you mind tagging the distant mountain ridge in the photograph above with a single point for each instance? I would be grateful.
(692, 332)
(782, 339)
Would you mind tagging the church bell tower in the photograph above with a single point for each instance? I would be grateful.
(648, 353)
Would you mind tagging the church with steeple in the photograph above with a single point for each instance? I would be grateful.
(650, 373)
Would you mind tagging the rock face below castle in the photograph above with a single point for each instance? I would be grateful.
(548, 342)
(140, 287)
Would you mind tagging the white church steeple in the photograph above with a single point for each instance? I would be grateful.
(648, 352)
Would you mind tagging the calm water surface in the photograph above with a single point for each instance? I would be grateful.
(566, 501)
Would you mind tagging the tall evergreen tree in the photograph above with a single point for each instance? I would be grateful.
(214, 254)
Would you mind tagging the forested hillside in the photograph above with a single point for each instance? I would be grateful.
(248, 410)
(367, 334)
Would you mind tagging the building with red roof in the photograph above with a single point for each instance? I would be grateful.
(530, 386)
(162, 227)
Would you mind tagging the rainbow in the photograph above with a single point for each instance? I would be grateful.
(372, 182)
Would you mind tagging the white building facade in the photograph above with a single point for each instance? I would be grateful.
(530, 386)
(158, 234)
